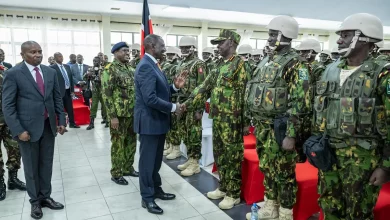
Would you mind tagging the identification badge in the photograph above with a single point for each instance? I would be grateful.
(303, 74)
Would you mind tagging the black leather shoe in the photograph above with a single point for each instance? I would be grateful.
(104, 121)
(74, 126)
(152, 207)
(51, 204)
(132, 173)
(120, 180)
(36, 212)
(164, 196)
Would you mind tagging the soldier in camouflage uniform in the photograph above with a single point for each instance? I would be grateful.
(119, 99)
(207, 56)
(384, 53)
(245, 51)
(276, 99)
(335, 54)
(257, 56)
(173, 135)
(352, 108)
(93, 76)
(216, 55)
(104, 62)
(136, 53)
(225, 85)
(12, 148)
(190, 123)
(326, 58)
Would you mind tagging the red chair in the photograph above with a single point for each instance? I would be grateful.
(252, 187)
(80, 110)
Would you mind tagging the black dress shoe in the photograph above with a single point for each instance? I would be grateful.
(36, 212)
(164, 196)
(120, 180)
(74, 126)
(152, 207)
(132, 173)
(51, 204)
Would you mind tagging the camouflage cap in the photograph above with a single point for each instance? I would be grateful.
(225, 34)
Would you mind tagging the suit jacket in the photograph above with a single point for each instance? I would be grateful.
(24, 106)
(61, 79)
(152, 111)
(8, 65)
(77, 76)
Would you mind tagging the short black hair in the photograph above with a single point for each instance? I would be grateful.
(96, 57)
(27, 44)
(151, 40)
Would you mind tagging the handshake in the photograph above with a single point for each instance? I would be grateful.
(180, 109)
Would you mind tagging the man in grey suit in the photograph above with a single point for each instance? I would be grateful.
(78, 70)
(31, 104)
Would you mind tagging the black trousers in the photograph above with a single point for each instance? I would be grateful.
(37, 160)
(151, 155)
(68, 105)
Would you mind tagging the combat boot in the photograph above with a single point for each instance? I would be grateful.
(14, 182)
(3, 192)
(91, 124)
(269, 211)
(104, 121)
(168, 150)
(106, 125)
(175, 153)
(184, 165)
(192, 169)
(228, 202)
(216, 194)
(285, 214)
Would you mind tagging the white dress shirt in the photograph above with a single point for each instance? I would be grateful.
(173, 85)
(66, 73)
(33, 72)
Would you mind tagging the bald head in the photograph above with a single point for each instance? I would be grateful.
(31, 53)
(26, 45)
(58, 58)
(151, 40)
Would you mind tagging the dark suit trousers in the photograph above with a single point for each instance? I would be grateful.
(38, 164)
(151, 155)
(68, 104)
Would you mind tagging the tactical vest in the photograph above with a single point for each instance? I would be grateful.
(192, 79)
(266, 94)
(352, 112)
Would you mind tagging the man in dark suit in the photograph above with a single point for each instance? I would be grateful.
(78, 71)
(65, 77)
(31, 105)
(152, 115)
(2, 57)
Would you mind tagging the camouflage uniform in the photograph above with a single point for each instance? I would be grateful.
(134, 62)
(119, 99)
(225, 85)
(357, 120)
(279, 89)
(96, 91)
(383, 57)
(11, 146)
(190, 129)
(210, 63)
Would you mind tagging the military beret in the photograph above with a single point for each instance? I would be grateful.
(225, 34)
(118, 46)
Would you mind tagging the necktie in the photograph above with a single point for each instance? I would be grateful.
(80, 70)
(67, 84)
(41, 85)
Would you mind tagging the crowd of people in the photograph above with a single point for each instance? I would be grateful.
(332, 111)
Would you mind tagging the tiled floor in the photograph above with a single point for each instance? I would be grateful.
(81, 181)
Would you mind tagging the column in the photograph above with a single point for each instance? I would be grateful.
(202, 42)
(106, 35)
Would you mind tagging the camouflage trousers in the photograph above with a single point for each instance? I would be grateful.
(192, 135)
(228, 148)
(278, 167)
(123, 147)
(12, 148)
(96, 98)
(175, 135)
(345, 192)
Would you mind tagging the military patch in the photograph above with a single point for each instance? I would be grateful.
(303, 74)
(388, 87)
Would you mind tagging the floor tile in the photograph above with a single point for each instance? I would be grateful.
(196, 218)
(11, 207)
(113, 189)
(80, 182)
(77, 172)
(137, 214)
(202, 204)
(48, 215)
(176, 210)
(67, 164)
(72, 156)
(173, 179)
(97, 152)
(219, 215)
(82, 194)
(186, 190)
(11, 217)
(124, 202)
(57, 186)
(106, 217)
(86, 210)
(15, 194)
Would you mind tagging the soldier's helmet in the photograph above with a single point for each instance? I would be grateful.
(208, 50)
(287, 25)
(310, 44)
(244, 49)
(327, 52)
(363, 24)
(136, 47)
(187, 41)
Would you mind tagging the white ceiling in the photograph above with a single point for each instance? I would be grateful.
(313, 14)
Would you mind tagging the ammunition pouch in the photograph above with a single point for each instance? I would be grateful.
(319, 153)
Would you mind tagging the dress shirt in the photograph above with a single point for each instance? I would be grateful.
(66, 73)
(32, 71)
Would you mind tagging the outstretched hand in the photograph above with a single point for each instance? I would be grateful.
(180, 80)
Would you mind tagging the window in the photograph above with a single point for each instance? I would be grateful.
(5, 44)
(209, 41)
(257, 43)
(173, 40)
(129, 37)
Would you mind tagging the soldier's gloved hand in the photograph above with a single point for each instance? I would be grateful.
(115, 123)
(288, 144)
(379, 177)
(198, 116)
(246, 130)
(25, 136)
